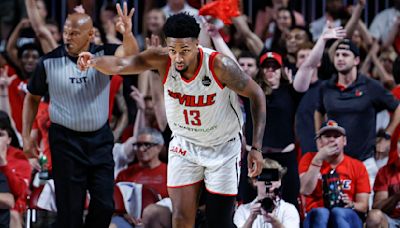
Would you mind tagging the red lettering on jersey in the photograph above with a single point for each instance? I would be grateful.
(178, 150)
(193, 101)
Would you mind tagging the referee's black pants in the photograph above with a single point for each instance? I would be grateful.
(82, 161)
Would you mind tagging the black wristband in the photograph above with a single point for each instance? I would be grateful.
(255, 148)
(384, 134)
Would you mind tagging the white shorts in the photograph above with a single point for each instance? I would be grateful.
(218, 165)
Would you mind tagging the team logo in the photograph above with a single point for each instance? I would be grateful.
(206, 81)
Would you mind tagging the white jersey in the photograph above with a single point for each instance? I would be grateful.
(200, 109)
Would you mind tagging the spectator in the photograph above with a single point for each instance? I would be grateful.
(255, 215)
(304, 124)
(284, 22)
(296, 37)
(353, 100)
(16, 169)
(6, 200)
(386, 211)
(282, 101)
(153, 24)
(178, 6)
(307, 62)
(335, 199)
(24, 59)
(48, 35)
(248, 63)
(149, 170)
(386, 19)
(334, 12)
(5, 82)
(265, 18)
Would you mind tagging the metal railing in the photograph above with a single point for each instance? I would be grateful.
(311, 9)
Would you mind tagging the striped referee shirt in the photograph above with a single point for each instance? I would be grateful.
(78, 99)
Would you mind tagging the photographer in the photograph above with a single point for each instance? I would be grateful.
(336, 186)
(268, 209)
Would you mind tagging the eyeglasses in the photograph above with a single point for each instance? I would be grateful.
(143, 145)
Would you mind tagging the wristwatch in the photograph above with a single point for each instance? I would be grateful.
(384, 134)
(256, 149)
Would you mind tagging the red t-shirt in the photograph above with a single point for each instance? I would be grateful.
(42, 123)
(352, 174)
(16, 98)
(115, 84)
(155, 178)
(18, 174)
(388, 179)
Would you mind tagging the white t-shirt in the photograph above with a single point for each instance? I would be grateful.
(382, 23)
(285, 212)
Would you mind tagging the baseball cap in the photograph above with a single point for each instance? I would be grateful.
(271, 56)
(347, 44)
(330, 125)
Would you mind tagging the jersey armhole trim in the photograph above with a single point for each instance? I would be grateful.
(167, 71)
(211, 64)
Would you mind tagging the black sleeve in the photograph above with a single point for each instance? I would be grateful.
(296, 96)
(320, 103)
(381, 98)
(109, 49)
(37, 84)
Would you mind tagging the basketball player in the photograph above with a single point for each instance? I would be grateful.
(204, 115)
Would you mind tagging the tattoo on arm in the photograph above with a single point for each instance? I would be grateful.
(232, 75)
(238, 81)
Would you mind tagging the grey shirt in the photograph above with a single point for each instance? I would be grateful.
(79, 100)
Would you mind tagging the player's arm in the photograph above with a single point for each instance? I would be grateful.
(152, 59)
(230, 75)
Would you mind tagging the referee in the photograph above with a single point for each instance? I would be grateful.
(80, 138)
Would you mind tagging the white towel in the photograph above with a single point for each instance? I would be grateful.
(132, 197)
(47, 198)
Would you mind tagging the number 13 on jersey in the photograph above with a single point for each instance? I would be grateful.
(192, 117)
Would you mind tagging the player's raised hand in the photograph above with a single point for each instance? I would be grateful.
(85, 60)
(124, 21)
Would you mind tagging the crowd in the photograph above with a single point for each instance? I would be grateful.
(328, 156)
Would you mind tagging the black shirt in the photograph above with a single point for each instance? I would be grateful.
(4, 213)
(355, 109)
(305, 130)
(281, 107)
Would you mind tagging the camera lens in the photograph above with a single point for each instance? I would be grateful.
(268, 205)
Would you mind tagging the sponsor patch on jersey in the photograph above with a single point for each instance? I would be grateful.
(206, 81)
